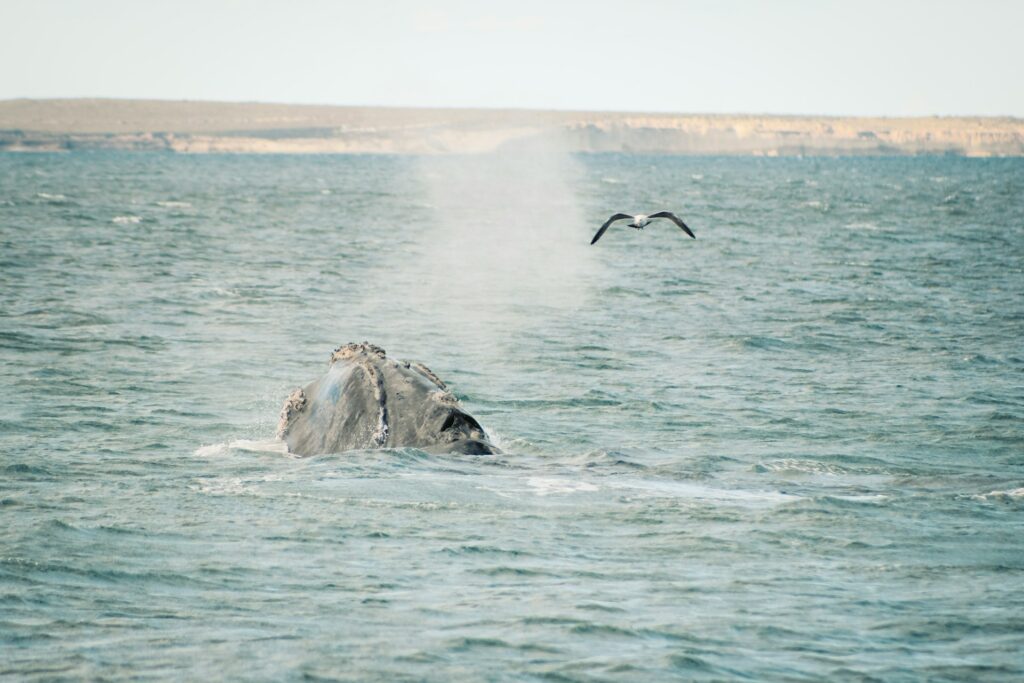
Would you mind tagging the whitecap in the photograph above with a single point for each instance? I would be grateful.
(174, 205)
(1000, 495)
(865, 498)
(126, 220)
(247, 445)
(800, 466)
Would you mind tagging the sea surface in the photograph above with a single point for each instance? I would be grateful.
(789, 450)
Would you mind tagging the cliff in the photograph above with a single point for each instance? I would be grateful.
(181, 126)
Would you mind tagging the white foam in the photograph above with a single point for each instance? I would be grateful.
(516, 445)
(1010, 493)
(866, 498)
(687, 490)
(802, 466)
(126, 220)
(248, 445)
(544, 486)
(236, 486)
(174, 205)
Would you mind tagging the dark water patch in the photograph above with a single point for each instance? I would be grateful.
(477, 549)
(579, 402)
(764, 343)
(615, 460)
(51, 572)
(465, 644)
(513, 572)
(28, 471)
(593, 629)
(23, 341)
(599, 607)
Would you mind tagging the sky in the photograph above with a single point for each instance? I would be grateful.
(869, 57)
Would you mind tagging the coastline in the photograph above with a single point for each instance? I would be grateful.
(217, 127)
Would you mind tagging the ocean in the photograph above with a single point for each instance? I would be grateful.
(791, 449)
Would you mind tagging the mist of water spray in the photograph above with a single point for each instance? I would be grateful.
(507, 242)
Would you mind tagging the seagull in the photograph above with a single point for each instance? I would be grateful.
(640, 221)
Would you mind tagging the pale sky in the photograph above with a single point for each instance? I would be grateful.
(864, 57)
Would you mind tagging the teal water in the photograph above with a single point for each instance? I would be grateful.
(792, 449)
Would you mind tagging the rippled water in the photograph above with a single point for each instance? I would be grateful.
(792, 449)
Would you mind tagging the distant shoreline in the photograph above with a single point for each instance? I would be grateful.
(228, 127)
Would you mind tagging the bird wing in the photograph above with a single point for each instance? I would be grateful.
(675, 219)
(616, 217)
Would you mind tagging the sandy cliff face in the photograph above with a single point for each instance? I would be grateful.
(802, 135)
(211, 127)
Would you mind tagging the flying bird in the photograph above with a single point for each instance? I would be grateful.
(640, 221)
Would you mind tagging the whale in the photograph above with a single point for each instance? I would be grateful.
(367, 400)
